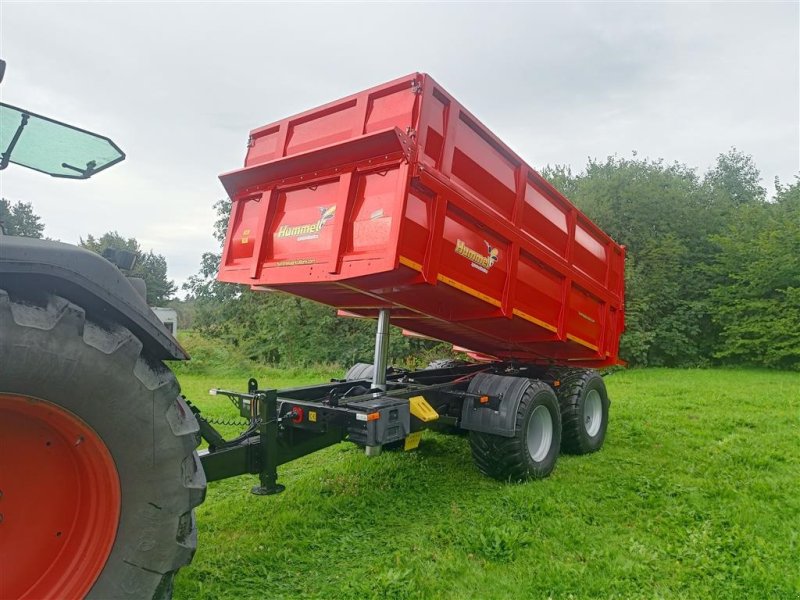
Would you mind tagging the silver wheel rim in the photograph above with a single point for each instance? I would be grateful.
(592, 413)
(540, 433)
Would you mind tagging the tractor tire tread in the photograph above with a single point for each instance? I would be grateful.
(157, 537)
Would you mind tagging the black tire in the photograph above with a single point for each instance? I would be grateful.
(509, 458)
(51, 351)
(573, 389)
(359, 372)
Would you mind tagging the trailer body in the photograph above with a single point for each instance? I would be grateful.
(398, 197)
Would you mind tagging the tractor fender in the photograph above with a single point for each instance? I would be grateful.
(499, 415)
(31, 267)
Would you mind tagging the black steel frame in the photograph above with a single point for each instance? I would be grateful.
(281, 429)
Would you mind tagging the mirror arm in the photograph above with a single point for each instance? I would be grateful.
(6, 157)
(85, 173)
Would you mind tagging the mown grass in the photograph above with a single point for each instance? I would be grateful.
(696, 494)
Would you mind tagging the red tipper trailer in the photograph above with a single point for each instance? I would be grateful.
(398, 197)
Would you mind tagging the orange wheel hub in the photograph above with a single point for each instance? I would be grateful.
(59, 501)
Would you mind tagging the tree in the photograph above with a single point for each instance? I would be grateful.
(735, 179)
(19, 219)
(757, 298)
(149, 266)
(204, 286)
(660, 212)
(562, 178)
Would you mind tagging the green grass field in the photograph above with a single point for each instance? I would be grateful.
(696, 494)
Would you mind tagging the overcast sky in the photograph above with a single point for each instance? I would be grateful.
(178, 87)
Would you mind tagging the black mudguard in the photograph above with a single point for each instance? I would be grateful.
(90, 281)
(502, 419)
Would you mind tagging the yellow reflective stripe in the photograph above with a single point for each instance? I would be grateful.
(532, 319)
(468, 290)
(581, 342)
(473, 292)
(410, 264)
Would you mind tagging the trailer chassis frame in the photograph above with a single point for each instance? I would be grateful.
(291, 423)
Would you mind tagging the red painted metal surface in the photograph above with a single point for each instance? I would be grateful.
(60, 501)
(398, 197)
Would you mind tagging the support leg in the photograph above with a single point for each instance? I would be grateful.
(268, 430)
(381, 350)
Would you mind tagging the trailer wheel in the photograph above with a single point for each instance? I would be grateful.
(99, 469)
(532, 452)
(584, 405)
(359, 371)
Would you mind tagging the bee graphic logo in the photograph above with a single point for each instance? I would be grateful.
(492, 254)
(482, 262)
(326, 214)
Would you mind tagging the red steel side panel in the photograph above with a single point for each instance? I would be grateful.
(384, 107)
(398, 197)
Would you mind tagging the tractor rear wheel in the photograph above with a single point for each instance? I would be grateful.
(98, 462)
(532, 452)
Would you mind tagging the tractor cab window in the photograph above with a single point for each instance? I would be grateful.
(52, 147)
